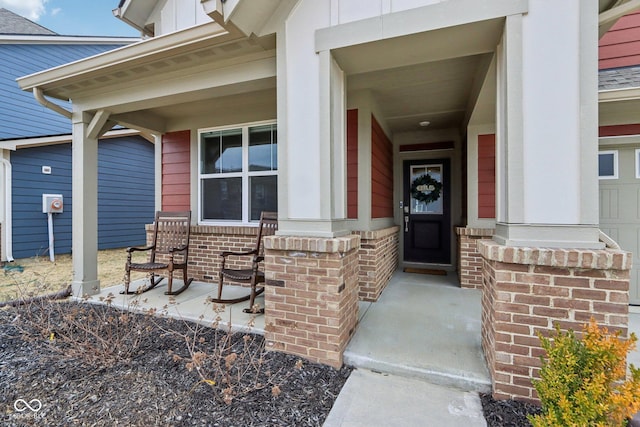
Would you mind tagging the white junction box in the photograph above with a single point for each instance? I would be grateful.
(52, 203)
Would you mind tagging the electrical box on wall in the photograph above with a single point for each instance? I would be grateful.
(52, 203)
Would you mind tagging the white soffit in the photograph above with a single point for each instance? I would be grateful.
(200, 43)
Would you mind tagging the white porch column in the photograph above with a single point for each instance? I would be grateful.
(311, 129)
(547, 193)
(84, 185)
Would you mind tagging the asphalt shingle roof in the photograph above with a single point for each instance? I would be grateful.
(10, 23)
(619, 78)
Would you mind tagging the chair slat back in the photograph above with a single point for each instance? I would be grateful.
(172, 230)
(268, 227)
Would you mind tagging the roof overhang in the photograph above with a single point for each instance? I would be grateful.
(80, 77)
(136, 13)
(74, 40)
(618, 106)
(617, 95)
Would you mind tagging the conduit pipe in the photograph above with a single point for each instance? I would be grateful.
(39, 96)
(8, 223)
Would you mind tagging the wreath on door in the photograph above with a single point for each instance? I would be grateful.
(426, 189)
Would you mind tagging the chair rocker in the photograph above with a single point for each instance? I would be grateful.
(252, 275)
(171, 244)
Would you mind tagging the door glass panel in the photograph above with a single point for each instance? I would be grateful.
(426, 189)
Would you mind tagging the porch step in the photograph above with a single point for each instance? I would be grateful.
(462, 380)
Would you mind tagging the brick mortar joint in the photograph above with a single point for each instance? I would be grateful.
(597, 259)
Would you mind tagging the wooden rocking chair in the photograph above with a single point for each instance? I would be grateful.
(171, 242)
(253, 275)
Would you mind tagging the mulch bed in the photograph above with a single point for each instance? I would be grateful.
(150, 386)
(507, 413)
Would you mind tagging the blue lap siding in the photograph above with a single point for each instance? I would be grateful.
(125, 195)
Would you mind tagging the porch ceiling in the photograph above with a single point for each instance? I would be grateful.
(432, 76)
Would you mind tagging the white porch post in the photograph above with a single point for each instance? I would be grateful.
(85, 207)
(547, 127)
(311, 130)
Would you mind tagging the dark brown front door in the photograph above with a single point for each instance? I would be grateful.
(427, 211)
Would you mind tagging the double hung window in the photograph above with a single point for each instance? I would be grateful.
(238, 172)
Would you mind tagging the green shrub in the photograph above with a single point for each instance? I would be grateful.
(583, 382)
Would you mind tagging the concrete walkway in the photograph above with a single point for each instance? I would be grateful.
(418, 357)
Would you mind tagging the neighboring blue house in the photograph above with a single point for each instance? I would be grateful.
(35, 151)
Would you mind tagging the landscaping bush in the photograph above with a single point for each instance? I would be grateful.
(583, 382)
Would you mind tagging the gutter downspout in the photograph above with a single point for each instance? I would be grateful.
(39, 96)
(8, 222)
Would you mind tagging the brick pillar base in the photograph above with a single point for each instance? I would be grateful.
(529, 290)
(469, 259)
(311, 296)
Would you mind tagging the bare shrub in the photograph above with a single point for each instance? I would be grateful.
(98, 334)
(231, 363)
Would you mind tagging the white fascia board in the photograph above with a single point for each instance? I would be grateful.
(426, 18)
(73, 40)
(135, 13)
(14, 144)
(137, 52)
(613, 95)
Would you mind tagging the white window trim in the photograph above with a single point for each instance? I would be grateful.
(637, 161)
(245, 174)
(615, 164)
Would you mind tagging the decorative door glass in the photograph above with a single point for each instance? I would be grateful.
(426, 189)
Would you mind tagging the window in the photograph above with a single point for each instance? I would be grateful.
(238, 172)
(637, 163)
(608, 164)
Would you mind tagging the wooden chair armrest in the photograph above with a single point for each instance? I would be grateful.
(178, 249)
(139, 249)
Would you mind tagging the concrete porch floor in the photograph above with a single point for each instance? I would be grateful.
(423, 327)
(190, 305)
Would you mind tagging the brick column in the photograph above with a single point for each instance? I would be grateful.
(469, 259)
(378, 259)
(528, 290)
(311, 296)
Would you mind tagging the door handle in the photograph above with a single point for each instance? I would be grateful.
(406, 223)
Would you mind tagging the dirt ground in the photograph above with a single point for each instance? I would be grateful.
(40, 276)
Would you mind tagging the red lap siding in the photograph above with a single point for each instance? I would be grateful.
(486, 176)
(352, 164)
(381, 172)
(620, 46)
(176, 171)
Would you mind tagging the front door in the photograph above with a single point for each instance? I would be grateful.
(427, 211)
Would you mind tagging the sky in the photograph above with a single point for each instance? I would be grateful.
(73, 17)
